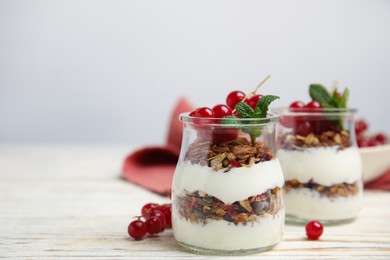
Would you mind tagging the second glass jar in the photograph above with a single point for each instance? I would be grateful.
(321, 165)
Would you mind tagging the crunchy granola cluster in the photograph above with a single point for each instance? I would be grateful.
(236, 153)
(199, 207)
(337, 190)
(325, 139)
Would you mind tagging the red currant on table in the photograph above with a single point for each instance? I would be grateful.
(148, 207)
(234, 97)
(381, 138)
(157, 218)
(373, 142)
(221, 110)
(137, 229)
(360, 126)
(362, 142)
(314, 105)
(153, 225)
(157, 213)
(314, 230)
(166, 209)
(252, 101)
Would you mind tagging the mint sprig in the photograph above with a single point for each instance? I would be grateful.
(246, 111)
(344, 98)
(264, 103)
(320, 93)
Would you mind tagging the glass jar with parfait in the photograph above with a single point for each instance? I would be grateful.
(227, 192)
(320, 159)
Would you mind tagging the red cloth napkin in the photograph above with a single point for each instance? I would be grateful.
(380, 183)
(152, 167)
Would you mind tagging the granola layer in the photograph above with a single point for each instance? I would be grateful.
(333, 191)
(200, 207)
(325, 139)
(236, 153)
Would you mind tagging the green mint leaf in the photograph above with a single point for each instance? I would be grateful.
(229, 120)
(335, 99)
(257, 112)
(319, 93)
(344, 98)
(264, 103)
(327, 105)
(244, 110)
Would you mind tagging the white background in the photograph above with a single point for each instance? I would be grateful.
(110, 72)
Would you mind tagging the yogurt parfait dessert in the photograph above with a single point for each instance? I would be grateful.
(227, 192)
(320, 159)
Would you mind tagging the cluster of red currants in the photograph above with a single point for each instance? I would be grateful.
(218, 134)
(363, 140)
(304, 125)
(222, 110)
(299, 106)
(156, 217)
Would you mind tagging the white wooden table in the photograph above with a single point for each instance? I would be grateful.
(69, 202)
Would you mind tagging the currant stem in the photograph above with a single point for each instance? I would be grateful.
(253, 91)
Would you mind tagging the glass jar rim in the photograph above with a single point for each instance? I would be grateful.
(286, 111)
(270, 119)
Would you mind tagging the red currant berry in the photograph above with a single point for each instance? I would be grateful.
(166, 209)
(148, 207)
(204, 112)
(221, 110)
(153, 225)
(223, 135)
(192, 113)
(314, 230)
(157, 213)
(303, 128)
(235, 163)
(287, 121)
(362, 142)
(252, 101)
(381, 138)
(297, 105)
(320, 126)
(373, 142)
(137, 229)
(234, 97)
(314, 105)
(360, 126)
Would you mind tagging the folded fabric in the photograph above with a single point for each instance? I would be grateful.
(152, 167)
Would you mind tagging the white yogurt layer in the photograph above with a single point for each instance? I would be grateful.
(237, 184)
(223, 235)
(325, 165)
(307, 204)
